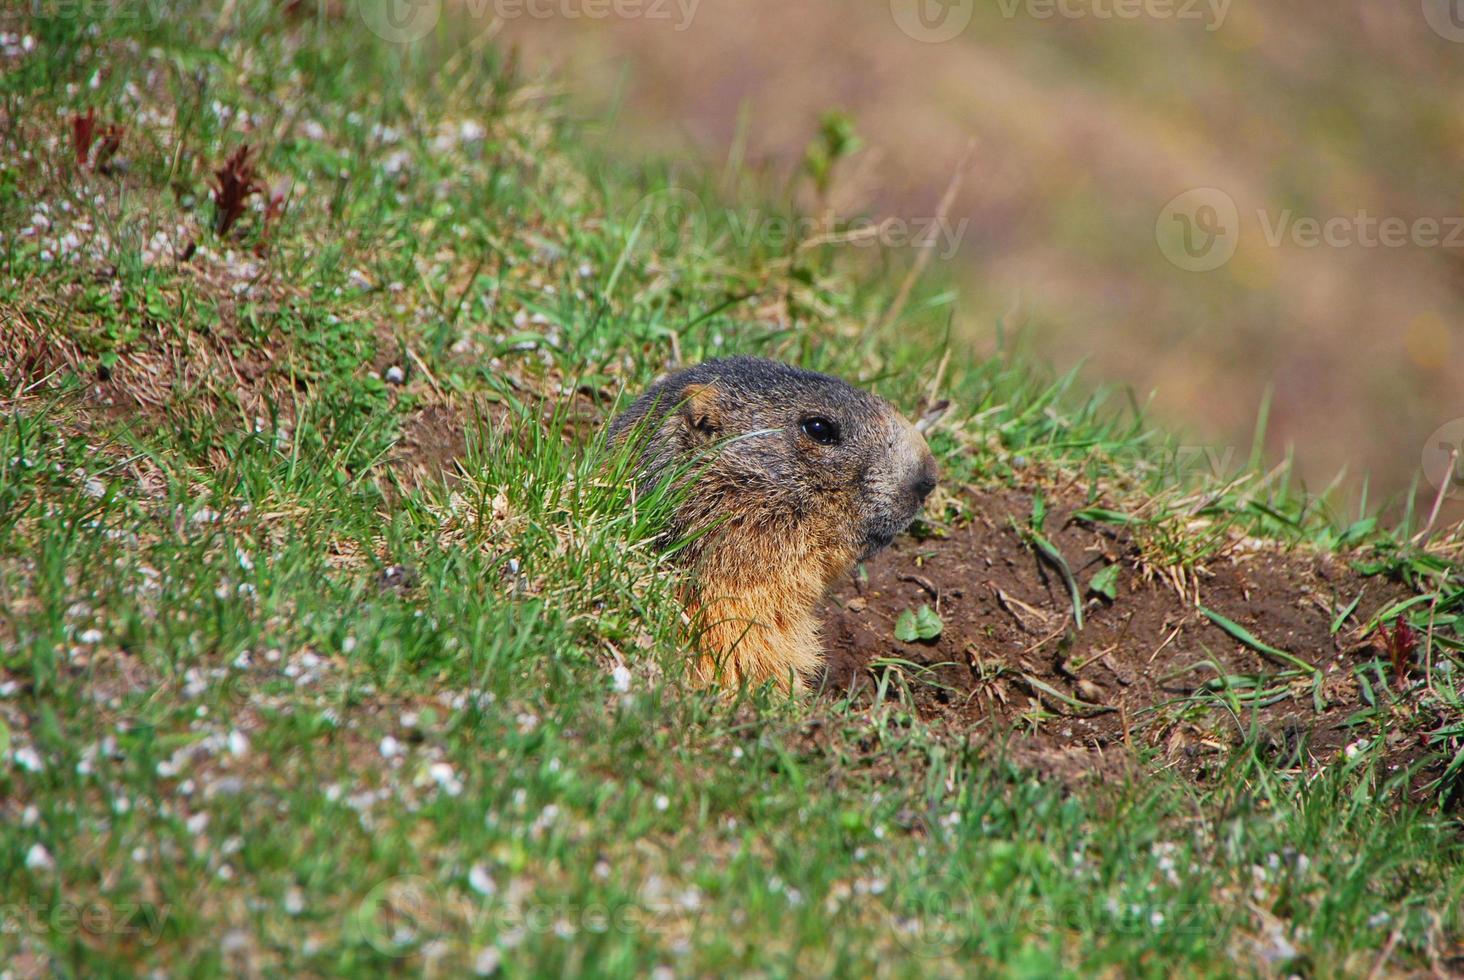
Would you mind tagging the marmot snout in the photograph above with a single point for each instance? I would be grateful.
(798, 475)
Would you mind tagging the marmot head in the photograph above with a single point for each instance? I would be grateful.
(802, 457)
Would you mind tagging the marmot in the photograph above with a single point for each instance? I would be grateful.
(795, 477)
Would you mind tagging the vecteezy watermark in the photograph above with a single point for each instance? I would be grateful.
(400, 21)
(1360, 230)
(935, 21)
(405, 21)
(140, 922)
(399, 915)
(1209, 462)
(779, 231)
(402, 914)
(932, 917)
(1212, 12)
(676, 219)
(932, 21)
(1199, 230)
(1443, 459)
(668, 220)
(1446, 17)
(935, 916)
(929, 916)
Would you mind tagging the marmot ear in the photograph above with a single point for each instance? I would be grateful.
(699, 412)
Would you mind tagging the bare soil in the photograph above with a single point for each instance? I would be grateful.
(1009, 660)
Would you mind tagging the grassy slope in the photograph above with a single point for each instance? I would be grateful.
(275, 700)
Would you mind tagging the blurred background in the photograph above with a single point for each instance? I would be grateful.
(1203, 199)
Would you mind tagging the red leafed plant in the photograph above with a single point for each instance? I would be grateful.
(83, 131)
(1399, 644)
(234, 183)
(85, 135)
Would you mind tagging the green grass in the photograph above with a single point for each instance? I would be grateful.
(279, 699)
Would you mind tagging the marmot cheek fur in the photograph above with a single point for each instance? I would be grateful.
(796, 476)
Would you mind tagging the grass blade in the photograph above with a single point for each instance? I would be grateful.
(1242, 634)
(1346, 614)
(1049, 551)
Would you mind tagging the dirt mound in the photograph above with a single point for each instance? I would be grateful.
(1150, 668)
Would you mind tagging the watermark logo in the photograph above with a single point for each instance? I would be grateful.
(1443, 459)
(932, 21)
(400, 21)
(669, 220)
(928, 916)
(1446, 17)
(399, 915)
(1199, 230)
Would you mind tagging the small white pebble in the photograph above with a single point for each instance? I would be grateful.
(395, 375)
(390, 747)
(620, 678)
(38, 858)
(27, 759)
(442, 774)
(662, 802)
(481, 881)
(485, 964)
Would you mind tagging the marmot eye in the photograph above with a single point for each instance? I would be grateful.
(820, 430)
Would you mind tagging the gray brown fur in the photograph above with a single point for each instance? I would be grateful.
(788, 514)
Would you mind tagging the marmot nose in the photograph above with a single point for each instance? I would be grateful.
(924, 481)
